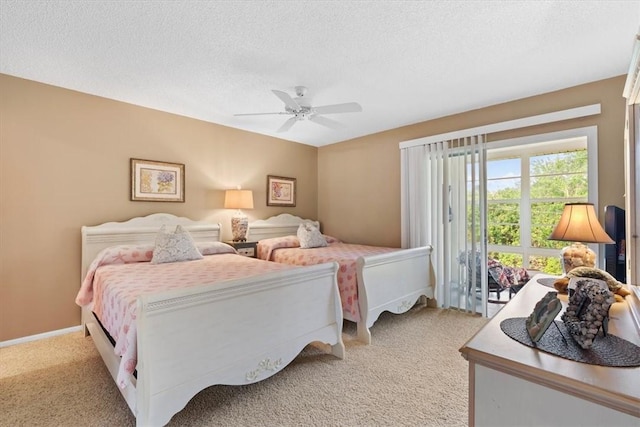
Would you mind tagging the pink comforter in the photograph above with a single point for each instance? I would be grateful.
(344, 254)
(115, 288)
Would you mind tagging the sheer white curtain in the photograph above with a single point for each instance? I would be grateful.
(443, 200)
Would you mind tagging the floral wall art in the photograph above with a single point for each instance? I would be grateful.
(281, 191)
(157, 181)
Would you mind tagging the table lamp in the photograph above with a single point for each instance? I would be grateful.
(579, 224)
(239, 199)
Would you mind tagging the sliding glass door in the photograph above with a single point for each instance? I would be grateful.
(443, 206)
(467, 288)
(477, 202)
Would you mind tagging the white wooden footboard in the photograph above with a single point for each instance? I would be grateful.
(392, 281)
(235, 332)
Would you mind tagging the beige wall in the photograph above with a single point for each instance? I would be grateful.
(64, 163)
(359, 180)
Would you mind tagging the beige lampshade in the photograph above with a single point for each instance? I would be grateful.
(238, 199)
(579, 223)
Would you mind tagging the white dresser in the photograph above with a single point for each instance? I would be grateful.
(511, 384)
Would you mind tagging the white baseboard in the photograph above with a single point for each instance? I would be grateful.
(40, 336)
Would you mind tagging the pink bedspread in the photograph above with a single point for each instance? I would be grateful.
(344, 254)
(115, 289)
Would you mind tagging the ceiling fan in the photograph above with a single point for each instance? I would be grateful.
(300, 109)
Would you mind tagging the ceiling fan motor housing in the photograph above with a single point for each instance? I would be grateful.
(302, 112)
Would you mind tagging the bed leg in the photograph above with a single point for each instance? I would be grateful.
(363, 333)
(85, 319)
(338, 350)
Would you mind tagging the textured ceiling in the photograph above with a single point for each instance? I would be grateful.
(403, 61)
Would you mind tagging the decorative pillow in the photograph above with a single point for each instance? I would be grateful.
(266, 246)
(310, 237)
(174, 246)
(212, 248)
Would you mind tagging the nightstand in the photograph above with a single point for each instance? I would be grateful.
(248, 249)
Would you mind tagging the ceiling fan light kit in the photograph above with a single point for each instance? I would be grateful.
(300, 109)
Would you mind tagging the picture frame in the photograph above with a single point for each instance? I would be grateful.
(281, 191)
(543, 315)
(157, 181)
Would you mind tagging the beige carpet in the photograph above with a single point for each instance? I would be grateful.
(411, 375)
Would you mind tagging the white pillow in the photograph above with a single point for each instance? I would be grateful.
(310, 237)
(174, 246)
(213, 248)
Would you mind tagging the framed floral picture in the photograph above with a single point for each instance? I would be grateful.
(154, 181)
(281, 191)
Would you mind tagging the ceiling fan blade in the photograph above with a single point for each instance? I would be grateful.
(349, 107)
(288, 101)
(259, 114)
(332, 124)
(287, 125)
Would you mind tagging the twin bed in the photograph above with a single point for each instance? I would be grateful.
(236, 331)
(225, 318)
(371, 279)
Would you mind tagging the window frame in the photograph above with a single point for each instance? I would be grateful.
(532, 145)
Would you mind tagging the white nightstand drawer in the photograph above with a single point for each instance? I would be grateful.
(248, 249)
(251, 252)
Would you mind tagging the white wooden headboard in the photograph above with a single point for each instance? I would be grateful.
(139, 230)
(277, 226)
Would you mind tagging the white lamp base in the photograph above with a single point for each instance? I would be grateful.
(239, 226)
(577, 255)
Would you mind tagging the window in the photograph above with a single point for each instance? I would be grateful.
(527, 186)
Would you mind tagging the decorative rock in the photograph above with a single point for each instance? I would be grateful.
(587, 310)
